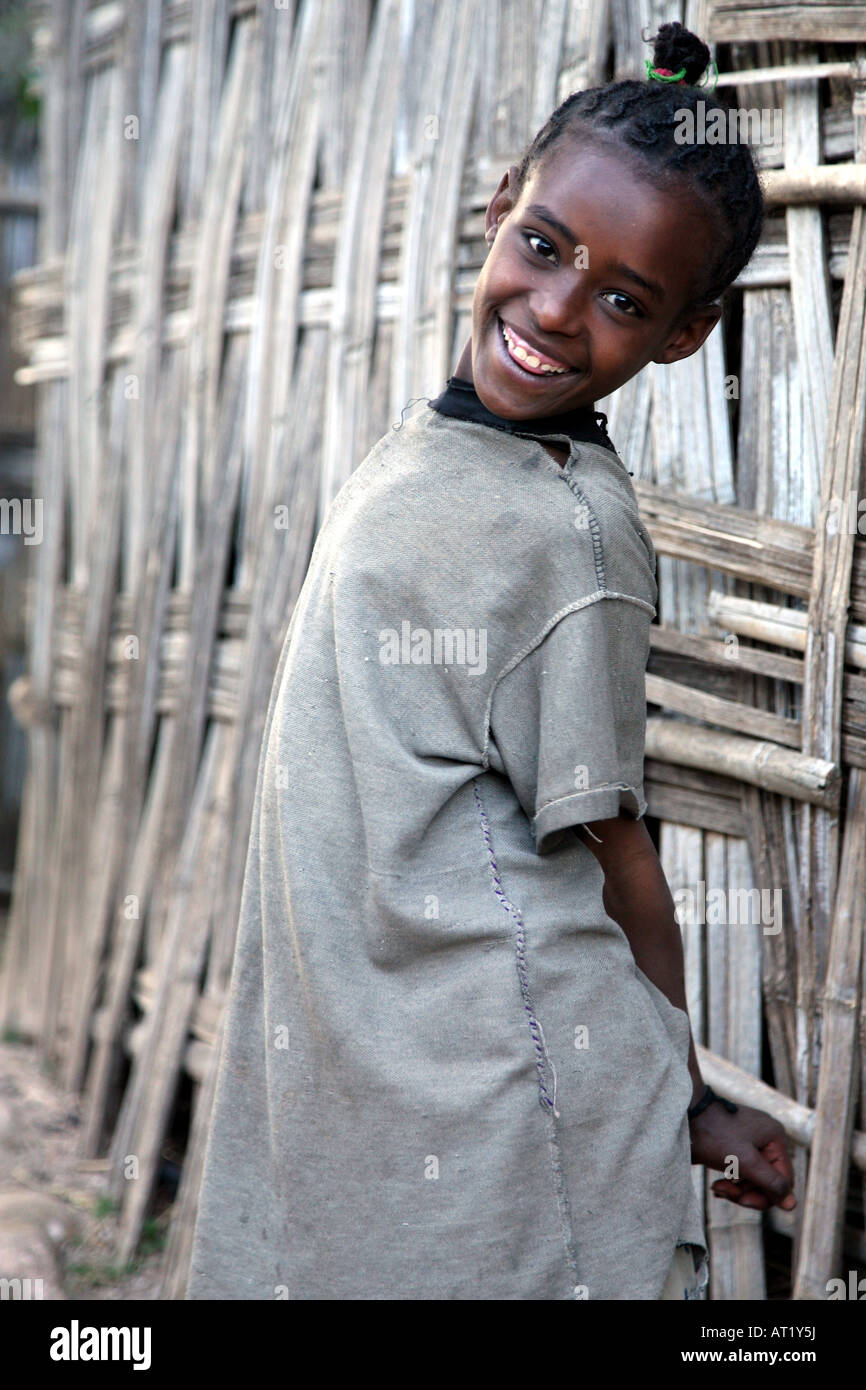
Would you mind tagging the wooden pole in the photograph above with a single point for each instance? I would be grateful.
(755, 761)
(823, 183)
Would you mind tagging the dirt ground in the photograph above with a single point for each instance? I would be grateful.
(56, 1222)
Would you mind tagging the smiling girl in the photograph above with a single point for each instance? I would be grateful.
(457, 1061)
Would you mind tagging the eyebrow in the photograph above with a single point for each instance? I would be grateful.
(545, 215)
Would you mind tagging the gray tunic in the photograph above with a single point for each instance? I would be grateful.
(442, 1074)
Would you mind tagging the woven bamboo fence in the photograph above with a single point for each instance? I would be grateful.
(261, 226)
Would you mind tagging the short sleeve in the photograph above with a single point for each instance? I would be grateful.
(568, 722)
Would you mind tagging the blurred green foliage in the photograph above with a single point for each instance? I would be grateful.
(19, 100)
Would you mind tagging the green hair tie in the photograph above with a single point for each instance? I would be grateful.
(654, 75)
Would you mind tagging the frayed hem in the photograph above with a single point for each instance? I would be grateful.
(700, 1259)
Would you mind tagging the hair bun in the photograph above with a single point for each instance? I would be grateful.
(676, 47)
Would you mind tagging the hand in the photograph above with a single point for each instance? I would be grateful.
(758, 1142)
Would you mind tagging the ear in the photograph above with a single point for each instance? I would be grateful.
(691, 334)
(502, 202)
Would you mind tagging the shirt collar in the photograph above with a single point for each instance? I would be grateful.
(460, 399)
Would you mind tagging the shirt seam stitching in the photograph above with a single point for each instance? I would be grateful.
(589, 791)
(546, 1101)
(594, 529)
(536, 641)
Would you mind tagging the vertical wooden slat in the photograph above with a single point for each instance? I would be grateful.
(421, 347)
(828, 605)
(92, 470)
(134, 728)
(734, 1032)
(357, 258)
(823, 1225)
(445, 210)
(834, 909)
(587, 39)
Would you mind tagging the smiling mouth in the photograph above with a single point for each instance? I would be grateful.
(527, 361)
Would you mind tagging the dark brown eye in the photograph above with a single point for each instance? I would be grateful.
(536, 236)
(629, 307)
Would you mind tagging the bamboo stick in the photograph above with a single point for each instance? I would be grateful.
(731, 539)
(690, 806)
(778, 625)
(824, 1205)
(143, 482)
(810, 290)
(794, 72)
(823, 183)
(132, 878)
(779, 474)
(734, 1031)
(357, 257)
(822, 700)
(732, 21)
(27, 959)
(94, 542)
(710, 651)
(762, 764)
(828, 607)
(768, 821)
(729, 714)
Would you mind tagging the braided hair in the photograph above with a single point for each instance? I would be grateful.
(640, 118)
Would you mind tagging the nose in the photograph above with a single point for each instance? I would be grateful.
(560, 311)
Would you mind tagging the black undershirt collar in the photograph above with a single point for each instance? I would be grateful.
(582, 424)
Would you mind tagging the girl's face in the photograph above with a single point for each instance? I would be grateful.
(592, 267)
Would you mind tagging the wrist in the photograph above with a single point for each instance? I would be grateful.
(704, 1100)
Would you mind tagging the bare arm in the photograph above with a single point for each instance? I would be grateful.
(637, 896)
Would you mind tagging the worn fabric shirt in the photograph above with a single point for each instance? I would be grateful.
(442, 1074)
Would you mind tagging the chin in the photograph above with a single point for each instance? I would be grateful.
(515, 399)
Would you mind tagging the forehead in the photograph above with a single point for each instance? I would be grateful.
(623, 208)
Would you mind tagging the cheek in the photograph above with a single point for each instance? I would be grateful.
(614, 342)
(617, 354)
(486, 296)
(503, 277)
(607, 342)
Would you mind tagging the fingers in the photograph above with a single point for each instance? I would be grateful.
(748, 1194)
(776, 1152)
(773, 1178)
(741, 1194)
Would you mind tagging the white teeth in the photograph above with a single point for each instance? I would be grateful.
(529, 358)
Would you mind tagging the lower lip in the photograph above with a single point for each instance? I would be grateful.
(523, 372)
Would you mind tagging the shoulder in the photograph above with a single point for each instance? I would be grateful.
(447, 504)
(606, 504)
(450, 480)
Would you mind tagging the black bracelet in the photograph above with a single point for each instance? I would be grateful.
(707, 1099)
